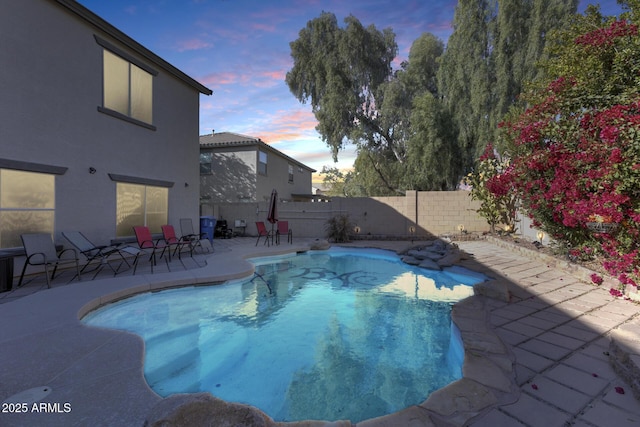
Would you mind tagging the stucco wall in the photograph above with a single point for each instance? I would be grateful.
(51, 85)
(234, 177)
(431, 213)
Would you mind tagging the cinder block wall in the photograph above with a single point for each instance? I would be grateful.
(422, 213)
(443, 211)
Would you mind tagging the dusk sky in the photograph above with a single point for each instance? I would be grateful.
(240, 50)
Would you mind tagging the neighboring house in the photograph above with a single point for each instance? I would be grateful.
(240, 168)
(98, 133)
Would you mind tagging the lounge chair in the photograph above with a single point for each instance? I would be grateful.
(201, 240)
(170, 239)
(41, 250)
(100, 253)
(147, 244)
(283, 229)
(262, 231)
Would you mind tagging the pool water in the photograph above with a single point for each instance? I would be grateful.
(338, 334)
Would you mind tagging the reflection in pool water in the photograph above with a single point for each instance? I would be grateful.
(338, 334)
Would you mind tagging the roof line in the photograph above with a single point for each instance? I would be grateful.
(250, 141)
(121, 37)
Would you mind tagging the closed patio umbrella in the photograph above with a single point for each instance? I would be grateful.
(272, 213)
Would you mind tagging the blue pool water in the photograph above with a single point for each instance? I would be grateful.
(338, 334)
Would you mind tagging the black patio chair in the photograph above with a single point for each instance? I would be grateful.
(41, 251)
(101, 253)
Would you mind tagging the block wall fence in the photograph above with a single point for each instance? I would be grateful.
(417, 214)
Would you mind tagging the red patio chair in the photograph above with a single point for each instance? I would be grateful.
(262, 231)
(283, 229)
(146, 243)
(170, 239)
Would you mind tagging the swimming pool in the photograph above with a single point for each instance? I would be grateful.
(338, 334)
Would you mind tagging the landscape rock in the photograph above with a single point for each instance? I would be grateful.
(410, 260)
(429, 264)
(320, 245)
(449, 259)
(434, 255)
(203, 409)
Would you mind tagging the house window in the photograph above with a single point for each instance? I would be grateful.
(27, 205)
(140, 205)
(262, 163)
(205, 163)
(127, 89)
(291, 174)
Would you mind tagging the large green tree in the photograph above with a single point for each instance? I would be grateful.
(339, 71)
(435, 159)
(422, 126)
(346, 76)
(492, 52)
(465, 77)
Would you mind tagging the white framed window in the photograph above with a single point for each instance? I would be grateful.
(291, 174)
(139, 204)
(262, 162)
(27, 205)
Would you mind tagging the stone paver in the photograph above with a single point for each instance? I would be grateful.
(565, 372)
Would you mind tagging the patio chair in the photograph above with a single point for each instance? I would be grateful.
(262, 231)
(147, 244)
(197, 240)
(170, 239)
(41, 250)
(283, 228)
(100, 253)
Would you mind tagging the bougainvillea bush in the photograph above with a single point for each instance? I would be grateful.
(575, 148)
(490, 185)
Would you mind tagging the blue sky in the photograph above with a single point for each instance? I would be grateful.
(240, 50)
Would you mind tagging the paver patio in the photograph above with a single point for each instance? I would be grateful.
(556, 330)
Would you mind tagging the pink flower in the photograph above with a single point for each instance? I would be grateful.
(619, 390)
(615, 292)
(596, 279)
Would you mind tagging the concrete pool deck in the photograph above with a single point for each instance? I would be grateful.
(550, 366)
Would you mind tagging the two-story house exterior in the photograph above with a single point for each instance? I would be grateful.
(239, 168)
(98, 132)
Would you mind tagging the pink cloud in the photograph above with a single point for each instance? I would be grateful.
(220, 79)
(288, 126)
(193, 44)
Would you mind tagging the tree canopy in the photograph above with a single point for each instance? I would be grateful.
(339, 71)
(421, 126)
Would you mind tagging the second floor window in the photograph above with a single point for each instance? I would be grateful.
(128, 89)
(205, 163)
(291, 173)
(262, 163)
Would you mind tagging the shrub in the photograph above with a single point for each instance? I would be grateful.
(490, 184)
(576, 148)
(338, 228)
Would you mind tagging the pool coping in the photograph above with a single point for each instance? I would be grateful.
(488, 376)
